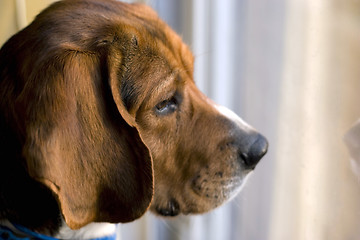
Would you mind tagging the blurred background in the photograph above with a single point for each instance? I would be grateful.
(290, 68)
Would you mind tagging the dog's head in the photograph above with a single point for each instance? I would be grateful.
(201, 152)
(116, 111)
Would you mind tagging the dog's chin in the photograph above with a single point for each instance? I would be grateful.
(202, 199)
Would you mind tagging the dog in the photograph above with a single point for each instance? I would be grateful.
(101, 120)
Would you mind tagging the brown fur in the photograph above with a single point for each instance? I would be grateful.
(80, 136)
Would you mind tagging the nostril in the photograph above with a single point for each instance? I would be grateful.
(256, 151)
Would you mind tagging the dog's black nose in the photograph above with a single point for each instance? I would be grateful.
(256, 151)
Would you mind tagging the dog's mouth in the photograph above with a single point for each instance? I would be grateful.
(203, 196)
(172, 209)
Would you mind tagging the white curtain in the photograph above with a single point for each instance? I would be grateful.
(316, 194)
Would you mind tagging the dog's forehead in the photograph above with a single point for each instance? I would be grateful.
(171, 57)
(160, 60)
(158, 37)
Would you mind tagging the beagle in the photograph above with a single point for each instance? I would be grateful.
(101, 120)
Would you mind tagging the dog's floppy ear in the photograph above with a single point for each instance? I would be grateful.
(81, 142)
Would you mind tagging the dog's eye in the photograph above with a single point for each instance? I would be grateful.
(166, 107)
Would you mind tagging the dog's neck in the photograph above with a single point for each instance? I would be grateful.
(95, 231)
(105, 231)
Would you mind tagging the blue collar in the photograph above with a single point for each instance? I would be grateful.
(8, 234)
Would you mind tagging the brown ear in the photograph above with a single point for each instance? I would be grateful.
(82, 143)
